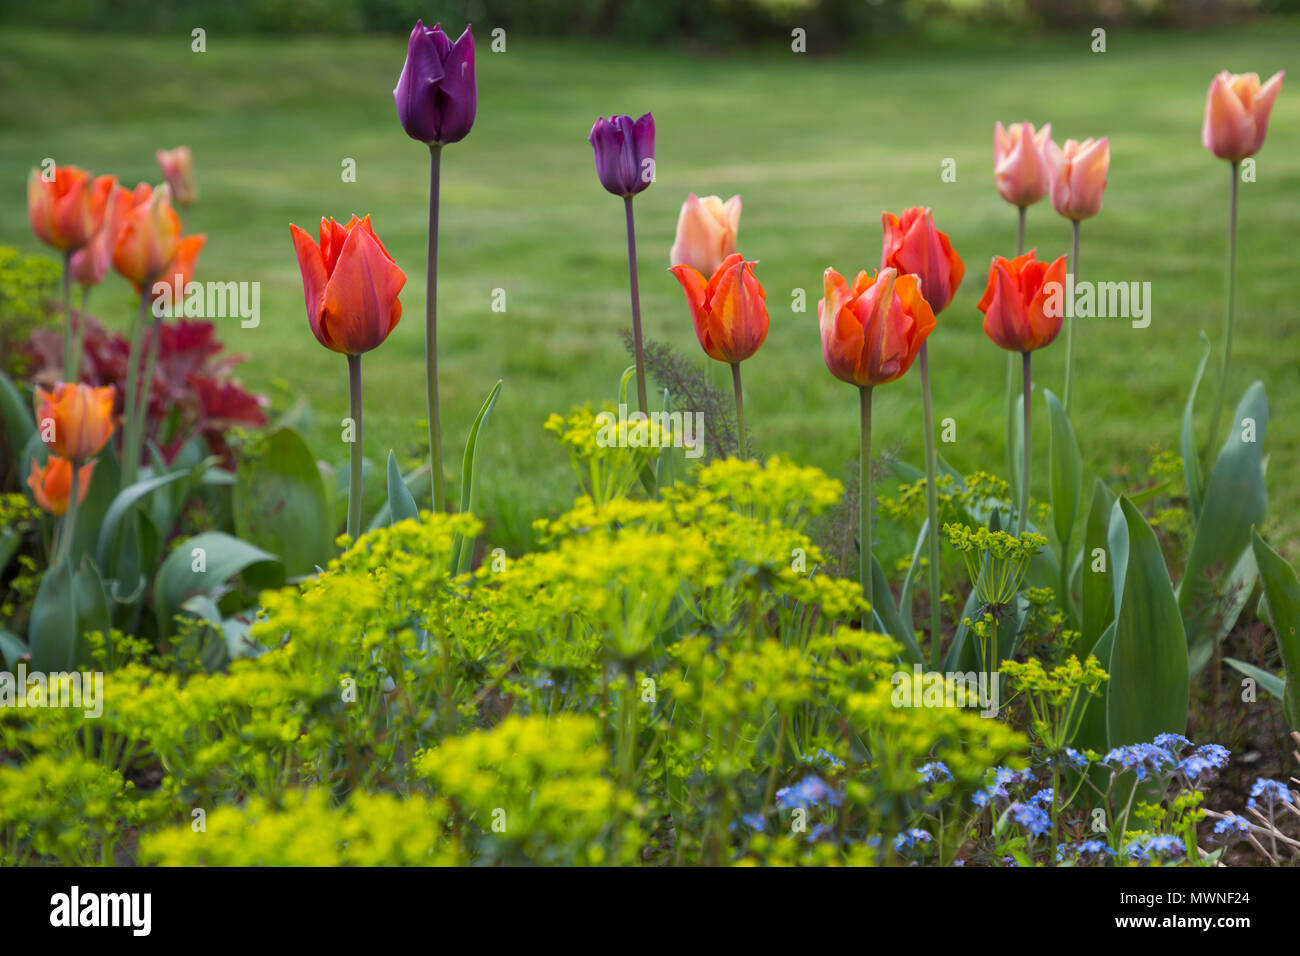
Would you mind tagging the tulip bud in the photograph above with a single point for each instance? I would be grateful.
(1236, 114)
(177, 167)
(729, 310)
(75, 421)
(873, 330)
(436, 95)
(68, 210)
(1024, 302)
(1078, 175)
(625, 153)
(913, 245)
(350, 284)
(706, 233)
(1019, 166)
(52, 485)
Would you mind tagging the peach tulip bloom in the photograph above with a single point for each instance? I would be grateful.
(1078, 175)
(729, 310)
(149, 237)
(75, 421)
(90, 263)
(52, 485)
(1019, 166)
(872, 330)
(68, 210)
(706, 233)
(1236, 114)
(1023, 302)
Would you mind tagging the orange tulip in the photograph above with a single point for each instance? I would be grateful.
(179, 271)
(149, 236)
(1023, 303)
(90, 263)
(1019, 166)
(75, 421)
(729, 310)
(913, 245)
(872, 330)
(351, 285)
(177, 167)
(52, 485)
(1236, 113)
(1078, 175)
(67, 211)
(706, 233)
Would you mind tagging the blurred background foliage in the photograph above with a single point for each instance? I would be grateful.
(828, 22)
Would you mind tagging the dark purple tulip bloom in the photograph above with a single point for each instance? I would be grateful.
(622, 148)
(436, 94)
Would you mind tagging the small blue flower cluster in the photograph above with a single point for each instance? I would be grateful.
(1164, 755)
(811, 791)
(936, 772)
(824, 756)
(1084, 852)
(910, 839)
(1032, 818)
(1270, 792)
(1147, 848)
(1003, 778)
(1231, 828)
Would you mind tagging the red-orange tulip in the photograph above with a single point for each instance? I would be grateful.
(1023, 303)
(149, 237)
(729, 310)
(913, 245)
(873, 329)
(351, 285)
(67, 211)
(75, 421)
(179, 271)
(90, 263)
(52, 485)
(1236, 114)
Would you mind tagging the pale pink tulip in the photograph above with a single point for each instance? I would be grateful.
(706, 233)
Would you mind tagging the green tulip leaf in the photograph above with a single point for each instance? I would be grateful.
(1187, 442)
(204, 564)
(280, 503)
(401, 503)
(462, 549)
(1283, 591)
(52, 631)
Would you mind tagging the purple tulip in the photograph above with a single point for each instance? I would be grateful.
(625, 153)
(436, 94)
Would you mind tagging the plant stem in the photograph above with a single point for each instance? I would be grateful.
(354, 478)
(636, 307)
(80, 343)
(1227, 319)
(69, 526)
(1069, 323)
(931, 509)
(1011, 366)
(70, 363)
(146, 384)
(431, 330)
(864, 502)
(130, 427)
(1024, 479)
(740, 410)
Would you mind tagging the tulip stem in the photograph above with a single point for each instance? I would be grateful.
(431, 331)
(932, 509)
(80, 343)
(146, 384)
(636, 307)
(740, 411)
(1069, 323)
(68, 528)
(864, 504)
(131, 427)
(1227, 321)
(1011, 365)
(354, 474)
(70, 363)
(1024, 478)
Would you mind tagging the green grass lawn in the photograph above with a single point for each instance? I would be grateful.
(818, 147)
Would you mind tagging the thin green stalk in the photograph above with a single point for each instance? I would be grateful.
(636, 307)
(1069, 323)
(1011, 364)
(431, 329)
(740, 410)
(932, 509)
(80, 343)
(69, 357)
(864, 502)
(1227, 319)
(1024, 478)
(354, 478)
(131, 426)
(69, 526)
